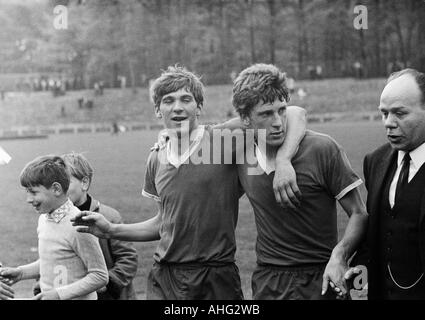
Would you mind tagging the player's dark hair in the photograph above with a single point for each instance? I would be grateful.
(258, 83)
(176, 78)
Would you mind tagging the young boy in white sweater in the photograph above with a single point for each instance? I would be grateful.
(71, 264)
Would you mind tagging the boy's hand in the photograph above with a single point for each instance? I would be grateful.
(10, 275)
(47, 295)
(92, 222)
(6, 292)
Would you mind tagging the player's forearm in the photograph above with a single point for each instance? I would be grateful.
(232, 124)
(143, 231)
(31, 270)
(295, 131)
(354, 233)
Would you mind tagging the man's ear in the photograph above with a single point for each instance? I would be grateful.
(85, 183)
(56, 188)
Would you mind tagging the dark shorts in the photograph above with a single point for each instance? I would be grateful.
(194, 282)
(289, 283)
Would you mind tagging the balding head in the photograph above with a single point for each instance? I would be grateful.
(402, 106)
(419, 78)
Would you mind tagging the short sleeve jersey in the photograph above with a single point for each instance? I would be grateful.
(308, 234)
(199, 203)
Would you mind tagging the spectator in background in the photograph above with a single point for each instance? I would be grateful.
(44, 84)
(301, 94)
(80, 103)
(101, 87)
(291, 85)
(123, 81)
(51, 84)
(144, 79)
(36, 84)
(233, 75)
(63, 113)
(319, 71)
(358, 69)
(311, 72)
(96, 88)
(115, 128)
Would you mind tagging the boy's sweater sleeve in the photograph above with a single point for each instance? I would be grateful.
(87, 247)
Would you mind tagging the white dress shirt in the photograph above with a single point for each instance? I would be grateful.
(417, 157)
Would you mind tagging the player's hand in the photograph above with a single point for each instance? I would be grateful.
(6, 292)
(334, 277)
(10, 275)
(162, 140)
(285, 185)
(47, 295)
(92, 222)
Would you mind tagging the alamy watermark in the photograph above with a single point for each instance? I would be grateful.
(216, 146)
(361, 20)
(60, 20)
(61, 278)
(360, 280)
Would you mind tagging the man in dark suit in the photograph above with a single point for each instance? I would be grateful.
(394, 250)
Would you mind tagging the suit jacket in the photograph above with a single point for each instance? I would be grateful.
(376, 167)
(120, 257)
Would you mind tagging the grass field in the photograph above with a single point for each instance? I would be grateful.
(330, 95)
(119, 163)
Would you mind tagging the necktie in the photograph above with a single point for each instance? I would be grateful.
(403, 177)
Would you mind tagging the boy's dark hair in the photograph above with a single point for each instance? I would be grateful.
(418, 76)
(174, 79)
(258, 83)
(44, 171)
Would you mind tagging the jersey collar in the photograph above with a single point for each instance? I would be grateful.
(267, 166)
(196, 138)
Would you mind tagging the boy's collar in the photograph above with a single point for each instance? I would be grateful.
(60, 212)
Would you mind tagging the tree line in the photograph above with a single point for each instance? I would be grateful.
(109, 39)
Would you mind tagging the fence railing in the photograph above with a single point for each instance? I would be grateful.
(72, 128)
